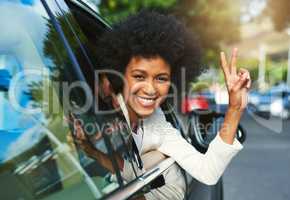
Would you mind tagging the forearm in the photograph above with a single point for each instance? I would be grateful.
(104, 159)
(206, 168)
(229, 127)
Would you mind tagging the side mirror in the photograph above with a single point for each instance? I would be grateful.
(4, 79)
(203, 127)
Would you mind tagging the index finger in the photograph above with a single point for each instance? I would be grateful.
(224, 63)
(233, 64)
(79, 133)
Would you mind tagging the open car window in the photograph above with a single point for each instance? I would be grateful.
(104, 120)
(77, 17)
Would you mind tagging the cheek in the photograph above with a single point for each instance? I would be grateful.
(164, 89)
(129, 86)
(163, 93)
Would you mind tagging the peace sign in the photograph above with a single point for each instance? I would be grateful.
(238, 82)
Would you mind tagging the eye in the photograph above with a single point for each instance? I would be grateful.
(162, 79)
(139, 77)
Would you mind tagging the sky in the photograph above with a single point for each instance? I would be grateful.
(251, 8)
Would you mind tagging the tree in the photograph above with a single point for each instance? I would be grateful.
(279, 11)
(212, 21)
(116, 10)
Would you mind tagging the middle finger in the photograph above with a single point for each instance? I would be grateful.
(233, 68)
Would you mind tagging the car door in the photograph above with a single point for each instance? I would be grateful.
(43, 85)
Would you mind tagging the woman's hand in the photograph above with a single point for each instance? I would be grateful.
(238, 82)
(81, 139)
(92, 152)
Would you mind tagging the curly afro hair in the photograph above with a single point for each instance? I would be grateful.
(149, 34)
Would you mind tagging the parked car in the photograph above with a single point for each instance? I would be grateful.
(193, 103)
(273, 102)
(47, 47)
(204, 100)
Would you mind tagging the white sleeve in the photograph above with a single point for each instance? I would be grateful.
(206, 168)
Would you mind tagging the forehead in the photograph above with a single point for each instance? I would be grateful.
(154, 65)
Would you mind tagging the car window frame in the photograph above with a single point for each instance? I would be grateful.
(145, 179)
(86, 55)
(106, 27)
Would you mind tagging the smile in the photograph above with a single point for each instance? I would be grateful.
(145, 101)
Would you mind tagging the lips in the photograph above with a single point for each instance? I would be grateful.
(145, 101)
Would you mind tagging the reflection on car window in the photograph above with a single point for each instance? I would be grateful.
(112, 123)
(38, 158)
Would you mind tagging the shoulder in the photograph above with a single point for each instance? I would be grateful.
(157, 124)
(157, 118)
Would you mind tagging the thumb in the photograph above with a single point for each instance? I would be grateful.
(240, 83)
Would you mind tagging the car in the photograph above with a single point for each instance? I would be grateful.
(259, 103)
(273, 102)
(280, 106)
(204, 100)
(47, 70)
(193, 103)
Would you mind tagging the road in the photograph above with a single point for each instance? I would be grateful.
(261, 171)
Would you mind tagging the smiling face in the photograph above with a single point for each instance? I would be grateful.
(147, 82)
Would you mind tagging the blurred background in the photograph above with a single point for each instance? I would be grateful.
(261, 31)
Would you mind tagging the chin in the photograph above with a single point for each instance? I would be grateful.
(144, 113)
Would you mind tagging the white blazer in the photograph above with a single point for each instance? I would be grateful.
(158, 134)
(206, 168)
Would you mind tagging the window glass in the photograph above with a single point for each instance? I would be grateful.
(38, 157)
(106, 119)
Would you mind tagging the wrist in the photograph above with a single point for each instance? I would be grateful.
(235, 112)
(230, 124)
(236, 108)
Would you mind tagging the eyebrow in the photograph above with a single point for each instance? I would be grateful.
(143, 71)
(138, 70)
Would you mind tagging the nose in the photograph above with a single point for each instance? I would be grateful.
(149, 88)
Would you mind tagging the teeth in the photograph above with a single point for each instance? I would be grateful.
(146, 101)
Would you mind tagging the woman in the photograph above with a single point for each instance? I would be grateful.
(149, 50)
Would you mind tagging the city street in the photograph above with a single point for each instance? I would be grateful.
(261, 171)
